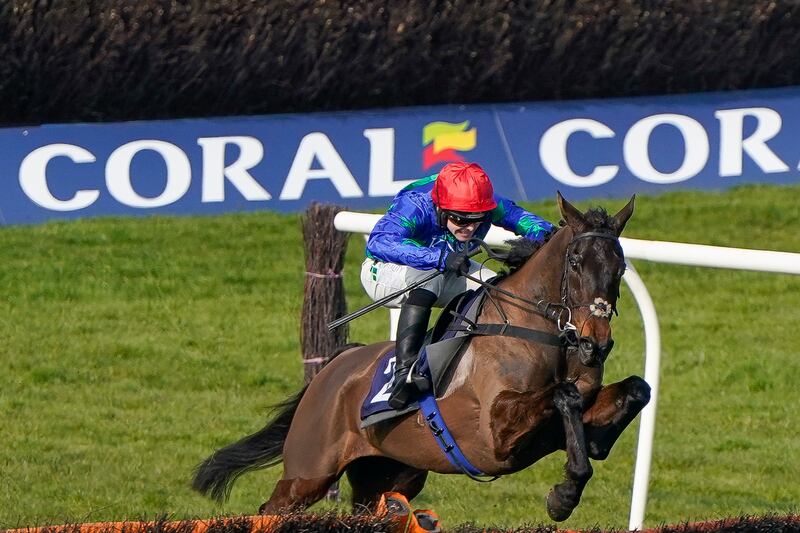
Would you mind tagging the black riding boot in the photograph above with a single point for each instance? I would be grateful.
(411, 329)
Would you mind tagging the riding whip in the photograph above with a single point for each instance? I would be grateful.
(386, 299)
(378, 303)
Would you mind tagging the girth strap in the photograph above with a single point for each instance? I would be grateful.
(433, 417)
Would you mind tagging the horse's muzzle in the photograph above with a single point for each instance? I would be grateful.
(592, 354)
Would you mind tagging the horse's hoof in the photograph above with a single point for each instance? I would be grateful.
(263, 509)
(555, 510)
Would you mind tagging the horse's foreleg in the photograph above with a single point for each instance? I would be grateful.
(296, 494)
(564, 497)
(614, 408)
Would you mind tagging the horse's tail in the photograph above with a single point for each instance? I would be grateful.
(215, 476)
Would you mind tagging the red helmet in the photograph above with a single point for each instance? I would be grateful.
(463, 187)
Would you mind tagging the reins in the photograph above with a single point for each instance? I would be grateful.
(552, 311)
(540, 306)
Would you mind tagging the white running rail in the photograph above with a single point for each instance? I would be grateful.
(657, 251)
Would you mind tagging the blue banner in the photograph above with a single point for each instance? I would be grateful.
(597, 148)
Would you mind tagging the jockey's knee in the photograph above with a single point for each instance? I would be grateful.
(422, 297)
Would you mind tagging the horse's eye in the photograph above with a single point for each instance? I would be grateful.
(574, 261)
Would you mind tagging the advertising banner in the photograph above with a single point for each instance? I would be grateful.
(586, 149)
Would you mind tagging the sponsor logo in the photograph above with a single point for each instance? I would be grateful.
(442, 142)
(690, 148)
(315, 158)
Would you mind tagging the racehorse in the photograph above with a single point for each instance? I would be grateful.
(508, 402)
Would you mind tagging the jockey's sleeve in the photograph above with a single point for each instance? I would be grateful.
(399, 236)
(512, 217)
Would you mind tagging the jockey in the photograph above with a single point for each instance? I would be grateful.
(427, 227)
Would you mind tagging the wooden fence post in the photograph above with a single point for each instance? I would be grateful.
(323, 292)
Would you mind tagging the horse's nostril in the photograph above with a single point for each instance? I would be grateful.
(589, 352)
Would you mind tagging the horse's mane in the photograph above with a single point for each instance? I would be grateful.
(600, 220)
(523, 249)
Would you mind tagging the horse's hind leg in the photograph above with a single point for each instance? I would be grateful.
(564, 497)
(370, 477)
(297, 493)
(615, 407)
(312, 461)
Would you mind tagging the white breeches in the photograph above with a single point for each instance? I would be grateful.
(381, 279)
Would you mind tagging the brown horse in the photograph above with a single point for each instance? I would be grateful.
(508, 403)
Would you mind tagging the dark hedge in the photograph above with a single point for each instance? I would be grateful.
(744, 524)
(290, 523)
(89, 60)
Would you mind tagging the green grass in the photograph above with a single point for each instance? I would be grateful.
(132, 348)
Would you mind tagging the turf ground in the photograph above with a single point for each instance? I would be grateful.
(132, 348)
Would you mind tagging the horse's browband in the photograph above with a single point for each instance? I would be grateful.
(598, 234)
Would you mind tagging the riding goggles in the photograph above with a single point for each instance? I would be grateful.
(461, 218)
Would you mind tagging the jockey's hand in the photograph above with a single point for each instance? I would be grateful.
(457, 262)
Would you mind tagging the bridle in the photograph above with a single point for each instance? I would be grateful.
(558, 312)
(598, 307)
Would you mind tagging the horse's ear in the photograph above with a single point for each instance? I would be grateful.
(621, 218)
(571, 215)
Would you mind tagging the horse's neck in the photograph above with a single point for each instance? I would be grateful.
(539, 278)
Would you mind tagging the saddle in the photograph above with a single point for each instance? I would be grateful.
(442, 345)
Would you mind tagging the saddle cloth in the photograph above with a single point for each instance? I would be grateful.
(439, 350)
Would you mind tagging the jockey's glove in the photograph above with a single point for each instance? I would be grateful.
(457, 262)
